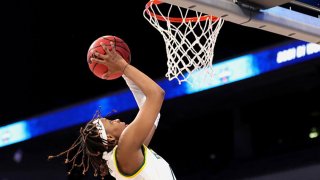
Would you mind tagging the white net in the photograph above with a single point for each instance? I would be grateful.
(190, 38)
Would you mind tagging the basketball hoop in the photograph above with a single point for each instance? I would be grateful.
(189, 37)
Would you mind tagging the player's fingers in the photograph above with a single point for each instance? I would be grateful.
(105, 48)
(106, 75)
(91, 56)
(99, 56)
(89, 60)
(113, 46)
(100, 61)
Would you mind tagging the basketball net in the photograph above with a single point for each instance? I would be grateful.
(190, 38)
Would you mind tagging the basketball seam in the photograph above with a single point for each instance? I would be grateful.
(94, 67)
(114, 39)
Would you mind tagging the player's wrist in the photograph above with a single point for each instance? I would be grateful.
(125, 67)
(121, 65)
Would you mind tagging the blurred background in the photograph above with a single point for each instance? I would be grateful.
(262, 127)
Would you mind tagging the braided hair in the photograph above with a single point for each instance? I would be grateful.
(91, 147)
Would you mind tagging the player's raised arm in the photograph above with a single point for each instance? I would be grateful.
(129, 152)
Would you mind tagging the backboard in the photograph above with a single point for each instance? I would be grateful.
(276, 16)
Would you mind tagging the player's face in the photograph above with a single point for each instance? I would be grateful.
(114, 127)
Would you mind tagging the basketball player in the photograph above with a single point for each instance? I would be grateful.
(111, 146)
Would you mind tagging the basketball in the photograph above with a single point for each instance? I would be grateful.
(120, 46)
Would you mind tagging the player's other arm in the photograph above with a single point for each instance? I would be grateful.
(137, 132)
(140, 98)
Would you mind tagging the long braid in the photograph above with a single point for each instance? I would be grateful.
(91, 145)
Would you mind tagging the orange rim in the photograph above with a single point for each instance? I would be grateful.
(176, 19)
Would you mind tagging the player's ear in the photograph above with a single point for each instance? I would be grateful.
(111, 138)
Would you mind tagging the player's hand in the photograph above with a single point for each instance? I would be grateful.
(112, 59)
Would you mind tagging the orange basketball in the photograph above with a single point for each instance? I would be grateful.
(120, 46)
